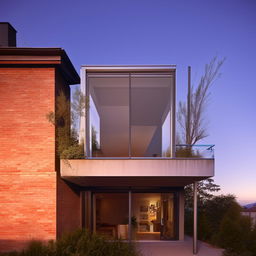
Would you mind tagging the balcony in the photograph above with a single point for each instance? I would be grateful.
(194, 163)
(129, 131)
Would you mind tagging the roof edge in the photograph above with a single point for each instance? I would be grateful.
(64, 64)
(129, 67)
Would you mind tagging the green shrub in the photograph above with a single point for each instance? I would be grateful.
(236, 234)
(187, 152)
(215, 209)
(78, 243)
(210, 214)
(220, 223)
(35, 248)
(75, 151)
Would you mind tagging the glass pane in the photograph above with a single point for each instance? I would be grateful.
(109, 115)
(166, 136)
(167, 223)
(111, 215)
(150, 105)
(146, 216)
(95, 129)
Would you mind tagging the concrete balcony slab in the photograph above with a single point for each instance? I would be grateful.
(136, 172)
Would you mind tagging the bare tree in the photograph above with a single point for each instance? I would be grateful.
(196, 129)
(193, 127)
(78, 104)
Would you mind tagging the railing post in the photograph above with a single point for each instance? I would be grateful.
(195, 246)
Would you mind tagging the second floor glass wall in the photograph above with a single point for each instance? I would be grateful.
(129, 114)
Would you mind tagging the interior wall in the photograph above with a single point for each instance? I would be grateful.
(155, 147)
(140, 209)
(112, 208)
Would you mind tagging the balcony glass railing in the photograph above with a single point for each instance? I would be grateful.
(182, 151)
(194, 151)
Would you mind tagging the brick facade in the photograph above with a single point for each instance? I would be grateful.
(30, 183)
(27, 156)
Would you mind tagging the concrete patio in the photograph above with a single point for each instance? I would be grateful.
(176, 248)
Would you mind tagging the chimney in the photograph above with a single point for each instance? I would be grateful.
(7, 35)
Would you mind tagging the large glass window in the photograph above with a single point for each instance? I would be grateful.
(111, 215)
(109, 115)
(150, 106)
(129, 114)
(152, 215)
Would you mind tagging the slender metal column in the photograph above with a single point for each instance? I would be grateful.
(130, 115)
(83, 118)
(82, 211)
(130, 217)
(173, 117)
(88, 210)
(87, 119)
(195, 247)
(188, 107)
(93, 213)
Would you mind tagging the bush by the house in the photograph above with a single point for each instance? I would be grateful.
(78, 243)
(220, 223)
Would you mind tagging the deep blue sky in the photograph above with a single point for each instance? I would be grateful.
(165, 32)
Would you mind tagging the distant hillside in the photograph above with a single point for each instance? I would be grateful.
(248, 206)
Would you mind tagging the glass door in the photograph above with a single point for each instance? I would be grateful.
(167, 216)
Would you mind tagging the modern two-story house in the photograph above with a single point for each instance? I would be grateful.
(130, 183)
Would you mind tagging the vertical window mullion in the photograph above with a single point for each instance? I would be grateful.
(130, 142)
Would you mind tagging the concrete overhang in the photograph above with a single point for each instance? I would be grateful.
(136, 172)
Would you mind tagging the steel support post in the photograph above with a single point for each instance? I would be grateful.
(130, 217)
(195, 246)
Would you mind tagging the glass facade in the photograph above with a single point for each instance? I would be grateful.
(150, 105)
(152, 215)
(111, 215)
(109, 115)
(129, 114)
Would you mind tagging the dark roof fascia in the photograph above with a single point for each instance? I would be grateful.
(69, 69)
(65, 65)
(30, 51)
(9, 25)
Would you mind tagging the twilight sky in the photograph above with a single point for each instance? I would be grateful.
(181, 32)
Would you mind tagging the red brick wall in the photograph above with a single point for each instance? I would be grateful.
(68, 207)
(27, 156)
